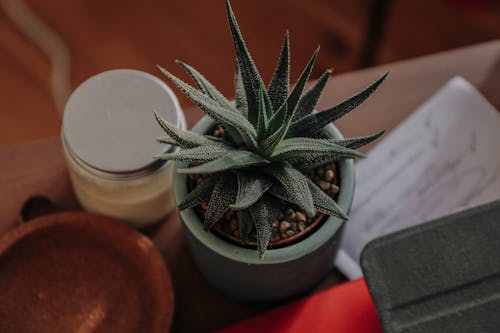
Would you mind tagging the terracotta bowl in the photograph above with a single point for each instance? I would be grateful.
(82, 273)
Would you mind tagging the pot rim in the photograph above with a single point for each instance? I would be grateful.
(272, 256)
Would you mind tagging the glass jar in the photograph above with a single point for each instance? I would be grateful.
(108, 136)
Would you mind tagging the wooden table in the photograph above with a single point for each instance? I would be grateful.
(38, 167)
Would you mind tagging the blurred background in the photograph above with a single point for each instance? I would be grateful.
(48, 47)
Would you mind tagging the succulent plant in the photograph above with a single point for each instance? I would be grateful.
(274, 134)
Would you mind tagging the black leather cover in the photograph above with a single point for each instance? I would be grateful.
(442, 276)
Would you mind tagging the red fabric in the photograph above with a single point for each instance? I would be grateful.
(346, 308)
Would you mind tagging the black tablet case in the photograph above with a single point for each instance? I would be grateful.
(442, 276)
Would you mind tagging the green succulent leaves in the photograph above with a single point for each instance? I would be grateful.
(222, 197)
(234, 159)
(251, 187)
(272, 135)
(278, 88)
(250, 76)
(312, 123)
(294, 183)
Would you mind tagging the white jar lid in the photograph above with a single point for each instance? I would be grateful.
(109, 123)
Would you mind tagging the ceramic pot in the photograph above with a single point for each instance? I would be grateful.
(284, 272)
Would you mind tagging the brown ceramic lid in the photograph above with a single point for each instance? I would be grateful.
(76, 272)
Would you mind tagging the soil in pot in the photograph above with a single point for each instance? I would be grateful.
(291, 224)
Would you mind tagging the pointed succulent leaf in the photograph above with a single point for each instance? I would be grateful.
(324, 203)
(169, 141)
(237, 139)
(181, 138)
(205, 86)
(287, 111)
(269, 143)
(294, 182)
(199, 154)
(240, 95)
(278, 88)
(251, 188)
(279, 192)
(313, 123)
(223, 194)
(200, 193)
(263, 213)
(297, 90)
(295, 148)
(269, 106)
(311, 161)
(215, 139)
(262, 116)
(249, 73)
(355, 143)
(234, 159)
(308, 102)
(245, 224)
(223, 116)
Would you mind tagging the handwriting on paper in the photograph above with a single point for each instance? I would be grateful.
(444, 157)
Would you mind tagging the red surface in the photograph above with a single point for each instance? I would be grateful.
(346, 308)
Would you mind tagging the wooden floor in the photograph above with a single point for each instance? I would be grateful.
(102, 35)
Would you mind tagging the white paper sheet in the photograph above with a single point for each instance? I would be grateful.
(445, 156)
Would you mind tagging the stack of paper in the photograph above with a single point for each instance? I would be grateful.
(444, 157)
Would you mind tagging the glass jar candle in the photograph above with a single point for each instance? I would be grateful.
(108, 136)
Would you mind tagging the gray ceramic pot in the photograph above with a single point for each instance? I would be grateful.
(285, 272)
